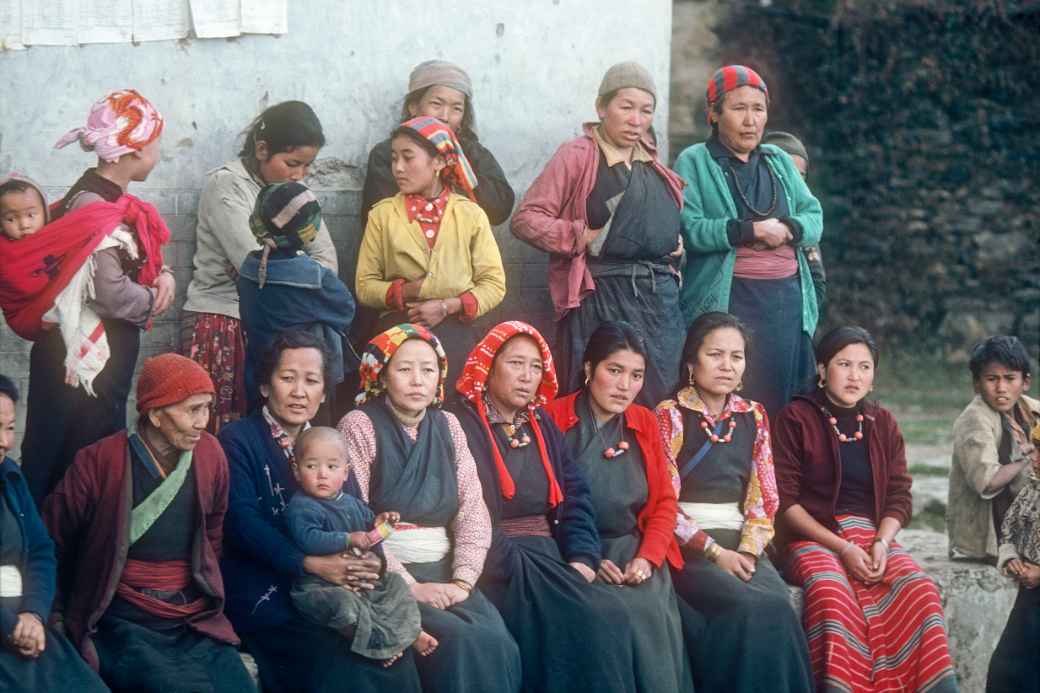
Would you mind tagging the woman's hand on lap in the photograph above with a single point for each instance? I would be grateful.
(343, 569)
(437, 594)
(586, 572)
(735, 564)
(609, 572)
(638, 571)
(858, 564)
(879, 557)
(28, 637)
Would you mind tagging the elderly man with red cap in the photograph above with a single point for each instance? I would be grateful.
(137, 524)
(747, 221)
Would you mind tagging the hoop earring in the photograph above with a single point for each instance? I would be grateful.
(821, 383)
(740, 386)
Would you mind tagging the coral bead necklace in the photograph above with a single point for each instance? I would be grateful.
(843, 438)
(714, 437)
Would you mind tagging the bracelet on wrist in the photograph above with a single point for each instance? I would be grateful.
(848, 545)
(884, 542)
(462, 584)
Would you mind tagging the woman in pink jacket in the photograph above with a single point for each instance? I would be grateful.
(607, 212)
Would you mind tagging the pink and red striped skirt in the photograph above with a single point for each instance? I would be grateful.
(886, 637)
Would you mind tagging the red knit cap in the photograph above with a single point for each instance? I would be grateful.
(731, 77)
(170, 378)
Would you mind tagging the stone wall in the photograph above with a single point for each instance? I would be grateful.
(920, 119)
(535, 67)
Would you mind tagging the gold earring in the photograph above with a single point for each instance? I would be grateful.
(740, 386)
(693, 383)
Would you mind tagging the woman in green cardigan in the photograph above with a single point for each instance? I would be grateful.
(746, 219)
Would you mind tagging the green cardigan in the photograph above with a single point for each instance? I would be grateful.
(708, 207)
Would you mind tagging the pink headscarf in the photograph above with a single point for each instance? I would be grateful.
(121, 123)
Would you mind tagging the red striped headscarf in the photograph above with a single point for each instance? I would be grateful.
(731, 77)
(457, 173)
(383, 347)
(472, 385)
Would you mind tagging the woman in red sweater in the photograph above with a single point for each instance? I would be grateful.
(873, 617)
(617, 445)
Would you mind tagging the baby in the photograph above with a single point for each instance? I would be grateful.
(324, 520)
(23, 209)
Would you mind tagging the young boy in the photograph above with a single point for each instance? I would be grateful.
(23, 207)
(280, 288)
(324, 520)
(992, 449)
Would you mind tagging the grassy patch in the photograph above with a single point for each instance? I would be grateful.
(917, 470)
(925, 394)
(929, 518)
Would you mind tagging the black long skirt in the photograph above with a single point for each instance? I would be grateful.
(58, 668)
(573, 636)
(650, 302)
(1013, 667)
(742, 637)
(475, 651)
(780, 360)
(300, 657)
(60, 420)
(137, 659)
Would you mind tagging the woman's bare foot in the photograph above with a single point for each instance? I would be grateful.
(392, 659)
(425, 644)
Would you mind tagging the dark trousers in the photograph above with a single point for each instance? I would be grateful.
(61, 419)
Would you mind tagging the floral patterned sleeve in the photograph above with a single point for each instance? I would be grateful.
(360, 437)
(669, 420)
(472, 526)
(762, 499)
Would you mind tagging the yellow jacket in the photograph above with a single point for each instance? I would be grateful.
(464, 257)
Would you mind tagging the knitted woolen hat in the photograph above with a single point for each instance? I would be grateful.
(731, 77)
(628, 74)
(288, 213)
(788, 142)
(440, 73)
(170, 378)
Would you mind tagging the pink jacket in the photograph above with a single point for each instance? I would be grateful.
(552, 215)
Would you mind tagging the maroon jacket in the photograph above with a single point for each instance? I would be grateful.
(88, 516)
(808, 465)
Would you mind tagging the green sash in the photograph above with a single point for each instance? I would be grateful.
(151, 508)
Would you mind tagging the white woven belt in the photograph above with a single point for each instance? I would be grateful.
(10, 581)
(412, 544)
(715, 515)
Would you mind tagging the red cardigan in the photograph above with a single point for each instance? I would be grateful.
(808, 462)
(88, 516)
(657, 518)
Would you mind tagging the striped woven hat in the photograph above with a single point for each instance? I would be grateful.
(458, 172)
(286, 213)
(731, 77)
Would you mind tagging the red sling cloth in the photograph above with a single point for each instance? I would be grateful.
(35, 269)
(165, 576)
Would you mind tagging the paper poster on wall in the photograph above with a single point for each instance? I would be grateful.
(50, 22)
(216, 18)
(105, 21)
(161, 20)
(11, 25)
(265, 17)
